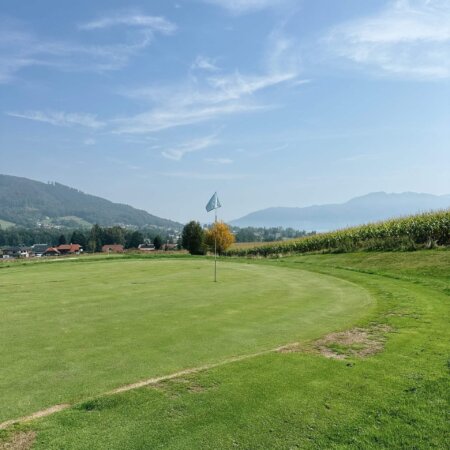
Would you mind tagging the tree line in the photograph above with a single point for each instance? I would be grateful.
(91, 240)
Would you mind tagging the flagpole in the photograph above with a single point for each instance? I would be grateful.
(215, 247)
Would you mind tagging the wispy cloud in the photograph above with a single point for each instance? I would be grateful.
(409, 38)
(212, 93)
(60, 118)
(177, 153)
(205, 176)
(131, 19)
(21, 48)
(246, 6)
(219, 160)
(204, 63)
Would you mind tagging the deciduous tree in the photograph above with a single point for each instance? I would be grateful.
(221, 234)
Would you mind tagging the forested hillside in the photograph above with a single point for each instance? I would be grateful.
(28, 203)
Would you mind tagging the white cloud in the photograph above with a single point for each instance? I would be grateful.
(177, 153)
(131, 19)
(246, 6)
(89, 141)
(20, 49)
(219, 160)
(205, 176)
(215, 97)
(204, 63)
(60, 118)
(409, 38)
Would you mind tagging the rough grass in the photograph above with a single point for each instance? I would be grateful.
(73, 329)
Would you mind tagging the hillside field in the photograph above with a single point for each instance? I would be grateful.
(309, 351)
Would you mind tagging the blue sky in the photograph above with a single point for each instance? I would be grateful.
(270, 102)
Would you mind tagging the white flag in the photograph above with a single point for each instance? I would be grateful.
(213, 203)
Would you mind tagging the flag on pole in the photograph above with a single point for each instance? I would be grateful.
(213, 203)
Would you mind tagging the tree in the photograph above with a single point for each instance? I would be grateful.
(62, 240)
(220, 234)
(192, 238)
(134, 239)
(95, 238)
(79, 238)
(157, 242)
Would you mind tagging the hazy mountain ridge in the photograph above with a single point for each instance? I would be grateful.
(27, 202)
(368, 208)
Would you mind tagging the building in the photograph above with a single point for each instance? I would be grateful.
(69, 249)
(39, 249)
(146, 247)
(113, 248)
(51, 251)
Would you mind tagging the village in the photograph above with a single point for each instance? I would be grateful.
(47, 250)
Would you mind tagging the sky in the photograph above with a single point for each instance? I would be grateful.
(158, 104)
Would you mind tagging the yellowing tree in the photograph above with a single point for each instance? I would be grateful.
(223, 235)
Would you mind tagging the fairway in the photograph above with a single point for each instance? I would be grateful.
(73, 329)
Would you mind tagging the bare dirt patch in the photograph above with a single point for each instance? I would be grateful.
(22, 440)
(357, 342)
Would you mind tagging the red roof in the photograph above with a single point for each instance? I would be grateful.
(112, 248)
(72, 248)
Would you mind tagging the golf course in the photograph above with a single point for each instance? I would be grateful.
(306, 351)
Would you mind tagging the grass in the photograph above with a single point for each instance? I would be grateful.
(395, 399)
(5, 224)
(74, 329)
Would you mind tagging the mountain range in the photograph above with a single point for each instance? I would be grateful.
(367, 208)
(27, 203)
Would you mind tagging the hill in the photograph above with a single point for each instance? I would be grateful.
(368, 208)
(27, 203)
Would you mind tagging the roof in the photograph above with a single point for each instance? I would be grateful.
(69, 247)
(52, 250)
(113, 247)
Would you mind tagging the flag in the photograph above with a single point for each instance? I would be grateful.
(213, 203)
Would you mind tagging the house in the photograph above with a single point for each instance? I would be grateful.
(39, 249)
(113, 248)
(69, 249)
(146, 247)
(168, 247)
(51, 251)
(16, 252)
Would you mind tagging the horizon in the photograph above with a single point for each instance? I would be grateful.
(158, 106)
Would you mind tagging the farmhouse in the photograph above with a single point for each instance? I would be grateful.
(146, 247)
(113, 248)
(39, 249)
(68, 249)
(51, 251)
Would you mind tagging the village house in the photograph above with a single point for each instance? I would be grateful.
(113, 248)
(69, 249)
(146, 247)
(51, 251)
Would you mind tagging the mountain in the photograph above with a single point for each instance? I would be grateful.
(368, 208)
(27, 202)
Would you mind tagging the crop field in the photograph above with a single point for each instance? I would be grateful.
(316, 351)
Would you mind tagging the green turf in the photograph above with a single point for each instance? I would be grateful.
(396, 399)
(73, 329)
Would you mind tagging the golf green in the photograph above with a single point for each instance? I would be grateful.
(73, 329)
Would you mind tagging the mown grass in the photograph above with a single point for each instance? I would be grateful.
(395, 399)
(76, 328)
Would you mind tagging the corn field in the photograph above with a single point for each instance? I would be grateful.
(426, 230)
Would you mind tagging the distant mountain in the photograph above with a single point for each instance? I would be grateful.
(27, 202)
(368, 208)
